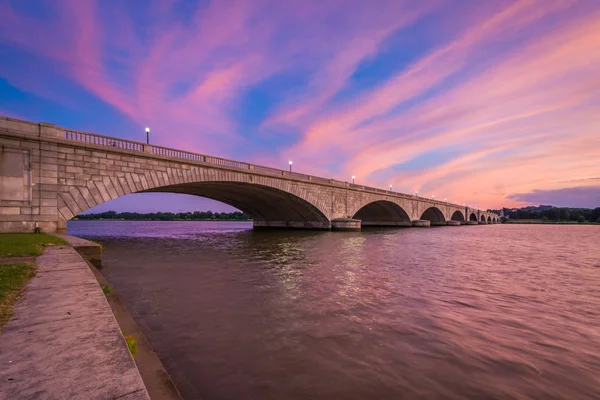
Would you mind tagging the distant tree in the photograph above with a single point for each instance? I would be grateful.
(109, 214)
(564, 214)
(168, 216)
(595, 215)
(580, 219)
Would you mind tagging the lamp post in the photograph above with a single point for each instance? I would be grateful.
(416, 194)
(291, 166)
(353, 179)
(432, 197)
(147, 135)
(446, 200)
(390, 188)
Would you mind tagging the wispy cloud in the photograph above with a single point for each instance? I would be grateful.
(508, 93)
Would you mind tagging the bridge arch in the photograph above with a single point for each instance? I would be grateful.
(270, 202)
(267, 206)
(434, 215)
(473, 217)
(458, 216)
(489, 220)
(482, 218)
(382, 213)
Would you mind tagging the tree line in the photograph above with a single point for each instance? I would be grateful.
(168, 216)
(555, 214)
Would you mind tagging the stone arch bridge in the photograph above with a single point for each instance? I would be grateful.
(50, 174)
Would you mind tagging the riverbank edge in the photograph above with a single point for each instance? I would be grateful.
(158, 382)
(529, 222)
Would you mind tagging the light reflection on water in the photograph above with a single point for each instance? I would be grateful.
(452, 312)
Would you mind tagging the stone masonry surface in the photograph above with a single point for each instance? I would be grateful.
(49, 175)
(64, 342)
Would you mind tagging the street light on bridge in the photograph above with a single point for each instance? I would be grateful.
(291, 166)
(353, 178)
(433, 197)
(147, 135)
(416, 193)
(390, 188)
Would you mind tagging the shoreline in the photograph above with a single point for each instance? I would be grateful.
(159, 384)
(533, 222)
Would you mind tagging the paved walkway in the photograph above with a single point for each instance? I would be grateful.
(64, 341)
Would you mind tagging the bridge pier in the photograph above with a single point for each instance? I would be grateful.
(345, 224)
(387, 223)
(453, 223)
(421, 223)
(310, 225)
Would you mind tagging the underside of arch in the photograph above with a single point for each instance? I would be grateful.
(458, 216)
(482, 218)
(382, 213)
(489, 220)
(473, 217)
(268, 207)
(434, 215)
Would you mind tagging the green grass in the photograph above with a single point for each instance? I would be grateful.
(26, 244)
(131, 343)
(106, 289)
(13, 278)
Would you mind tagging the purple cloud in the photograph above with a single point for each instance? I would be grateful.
(581, 196)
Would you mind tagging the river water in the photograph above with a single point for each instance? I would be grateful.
(482, 312)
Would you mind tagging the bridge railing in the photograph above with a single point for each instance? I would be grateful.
(185, 155)
(267, 170)
(299, 175)
(226, 163)
(320, 180)
(101, 140)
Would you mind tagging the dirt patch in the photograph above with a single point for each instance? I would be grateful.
(13, 260)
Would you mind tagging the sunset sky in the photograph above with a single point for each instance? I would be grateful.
(492, 103)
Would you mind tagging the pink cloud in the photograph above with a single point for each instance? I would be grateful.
(511, 90)
(529, 91)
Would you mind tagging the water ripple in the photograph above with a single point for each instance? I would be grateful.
(490, 312)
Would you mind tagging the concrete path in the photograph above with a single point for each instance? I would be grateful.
(90, 250)
(64, 341)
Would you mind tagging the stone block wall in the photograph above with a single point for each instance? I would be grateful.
(46, 179)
